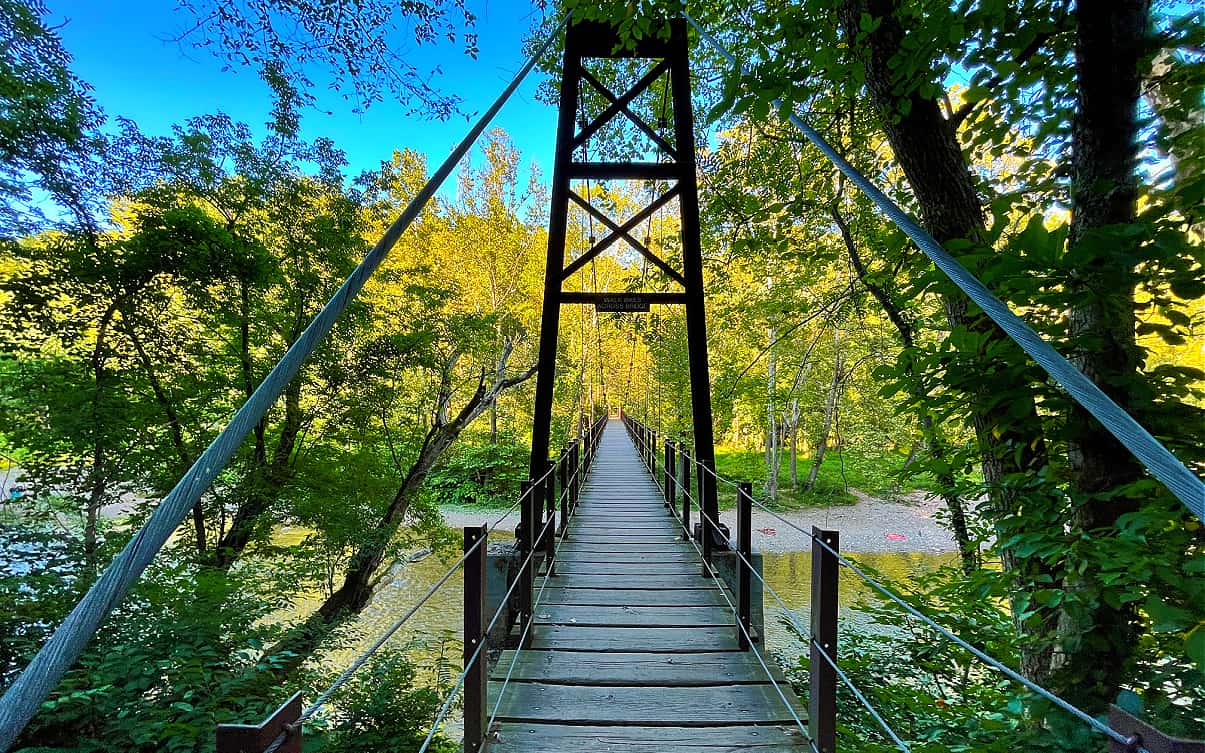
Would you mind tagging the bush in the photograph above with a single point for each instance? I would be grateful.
(480, 474)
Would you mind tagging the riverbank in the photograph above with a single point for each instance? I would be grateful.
(869, 525)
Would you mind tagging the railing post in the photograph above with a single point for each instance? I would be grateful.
(684, 485)
(707, 515)
(575, 482)
(526, 547)
(562, 472)
(669, 473)
(476, 676)
(237, 738)
(1151, 738)
(744, 549)
(822, 682)
(550, 511)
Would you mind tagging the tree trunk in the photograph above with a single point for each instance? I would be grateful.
(359, 578)
(830, 409)
(931, 434)
(1009, 433)
(264, 485)
(1111, 41)
(174, 425)
(771, 428)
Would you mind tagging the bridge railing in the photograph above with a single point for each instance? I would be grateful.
(546, 504)
(1126, 733)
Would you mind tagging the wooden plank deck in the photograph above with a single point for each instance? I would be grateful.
(633, 649)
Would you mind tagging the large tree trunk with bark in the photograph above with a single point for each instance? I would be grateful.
(1111, 41)
(1009, 433)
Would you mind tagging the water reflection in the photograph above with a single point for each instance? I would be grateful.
(788, 573)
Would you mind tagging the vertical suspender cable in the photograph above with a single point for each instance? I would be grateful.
(1160, 461)
(64, 647)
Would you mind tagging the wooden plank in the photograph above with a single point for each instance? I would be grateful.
(711, 706)
(655, 581)
(634, 639)
(611, 597)
(630, 557)
(524, 737)
(583, 668)
(635, 537)
(611, 567)
(642, 616)
(658, 547)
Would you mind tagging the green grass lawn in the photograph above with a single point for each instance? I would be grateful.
(839, 472)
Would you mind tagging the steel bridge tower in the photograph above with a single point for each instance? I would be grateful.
(588, 43)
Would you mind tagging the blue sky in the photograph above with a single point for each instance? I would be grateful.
(118, 48)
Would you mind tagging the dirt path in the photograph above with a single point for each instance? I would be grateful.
(869, 525)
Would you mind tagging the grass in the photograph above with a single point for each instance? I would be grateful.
(871, 474)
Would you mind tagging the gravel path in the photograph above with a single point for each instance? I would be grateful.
(869, 525)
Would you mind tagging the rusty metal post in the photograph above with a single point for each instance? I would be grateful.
(549, 491)
(668, 473)
(744, 549)
(684, 485)
(562, 473)
(527, 546)
(475, 671)
(822, 682)
(1147, 736)
(255, 738)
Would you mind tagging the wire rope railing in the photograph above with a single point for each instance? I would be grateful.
(1160, 461)
(61, 651)
(649, 461)
(475, 732)
(570, 467)
(1129, 742)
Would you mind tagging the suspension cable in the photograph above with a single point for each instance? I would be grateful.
(60, 652)
(1160, 461)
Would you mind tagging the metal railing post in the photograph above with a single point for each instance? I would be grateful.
(668, 473)
(550, 510)
(562, 472)
(707, 515)
(744, 548)
(476, 676)
(684, 485)
(822, 681)
(526, 547)
(236, 738)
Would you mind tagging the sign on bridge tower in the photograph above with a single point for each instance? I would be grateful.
(588, 48)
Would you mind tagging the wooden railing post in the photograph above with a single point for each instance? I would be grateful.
(822, 682)
(684, 485)
(476, 676)
(526, 547)
(744, 549)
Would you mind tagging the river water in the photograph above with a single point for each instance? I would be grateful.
(438, 623)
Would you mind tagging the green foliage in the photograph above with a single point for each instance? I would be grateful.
(874, 474)
(383, 708)
(481, 474)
